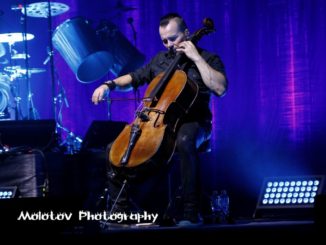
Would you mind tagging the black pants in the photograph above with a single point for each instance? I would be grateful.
(190, 136)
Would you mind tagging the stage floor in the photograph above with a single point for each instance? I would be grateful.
(242, 230)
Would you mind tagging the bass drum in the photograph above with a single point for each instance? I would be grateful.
(76, 41)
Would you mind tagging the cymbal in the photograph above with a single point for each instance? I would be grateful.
(19, 70)
(20, 56)
(41, 9)
(31, 70)
(14, 37)
(11, 69)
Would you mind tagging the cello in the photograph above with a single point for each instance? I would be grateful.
(151, 137)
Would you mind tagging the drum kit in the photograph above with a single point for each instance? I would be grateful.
(90, 53)
(17, 62)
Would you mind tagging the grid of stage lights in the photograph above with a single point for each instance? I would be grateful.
(6, 194)
(290, 192)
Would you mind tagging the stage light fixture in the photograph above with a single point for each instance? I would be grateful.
(292, 196)
(8, 192)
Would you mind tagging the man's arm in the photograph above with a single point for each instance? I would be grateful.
(123, 82)
(212, 78)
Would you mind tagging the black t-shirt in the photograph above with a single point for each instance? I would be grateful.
(200, 110)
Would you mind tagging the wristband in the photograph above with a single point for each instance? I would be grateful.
(111, 84)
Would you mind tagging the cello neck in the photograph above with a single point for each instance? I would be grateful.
(167, 75)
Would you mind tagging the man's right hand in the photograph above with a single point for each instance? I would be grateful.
(99, 93)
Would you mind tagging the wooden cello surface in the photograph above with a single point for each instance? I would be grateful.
(157, 137)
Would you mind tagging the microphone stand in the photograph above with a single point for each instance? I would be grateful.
(59, 99)
(71, 143)
(50, 56)
(109, 101)
(32, 113)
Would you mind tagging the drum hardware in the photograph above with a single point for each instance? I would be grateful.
(11, 39)
(30, 71)
(20, 56)
(18, 72)
(72, 142)
(12, 72)
(48, 58)
(11, 69)
(32, 113)
(18, 69)
(15, 72)
(47, 10)
(17, 99)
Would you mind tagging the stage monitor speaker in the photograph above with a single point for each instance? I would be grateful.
(31, 133)
(101, 133)
(25, 171)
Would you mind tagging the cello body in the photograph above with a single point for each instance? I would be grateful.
(156, 141)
